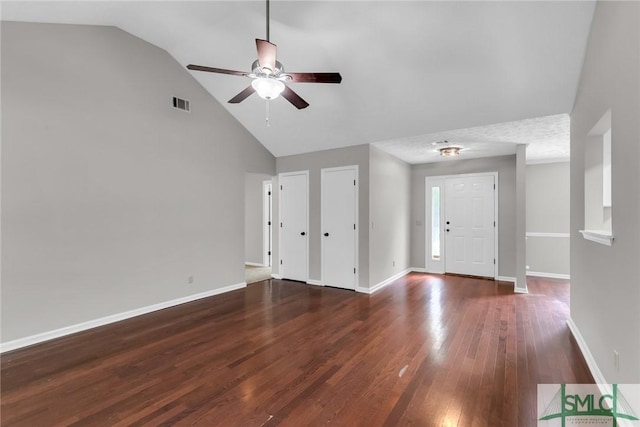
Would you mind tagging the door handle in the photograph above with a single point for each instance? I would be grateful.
(326, 234)
(303, 234)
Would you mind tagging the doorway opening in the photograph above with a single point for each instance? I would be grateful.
(258, 227)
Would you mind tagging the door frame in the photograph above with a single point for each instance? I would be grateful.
(356, 218)
(280, 175)
(267, 222)
(439, 267)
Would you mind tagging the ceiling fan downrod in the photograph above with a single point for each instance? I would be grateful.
(267, 20)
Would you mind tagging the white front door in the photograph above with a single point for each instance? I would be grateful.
(469, 224)
(294, 233)
(339, 223)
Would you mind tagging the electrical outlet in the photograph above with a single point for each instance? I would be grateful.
(190, 280)
(616, 360)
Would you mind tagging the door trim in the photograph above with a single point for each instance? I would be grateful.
(280, 175)
(357, 213)
(427, 219)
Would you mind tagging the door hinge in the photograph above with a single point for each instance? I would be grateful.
(269, 253)
(269, 223)
(269, 193)
(280, 262)
(494, 261)
(280, 225)
(354, 226)
(494, 186)
(494, 223)
(281, 187)
(354, 182)
(354, 270)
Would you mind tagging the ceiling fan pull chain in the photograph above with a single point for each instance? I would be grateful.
(267, 115)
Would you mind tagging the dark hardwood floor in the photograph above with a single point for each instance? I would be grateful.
(427, 350)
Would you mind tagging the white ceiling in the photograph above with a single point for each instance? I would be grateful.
(412, 71)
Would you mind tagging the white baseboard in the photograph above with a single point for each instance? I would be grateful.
(517, 289)
(68, 330)
(499, 278)
(314, 282)
(586, 353)
(276, 276)
(384, 283)
(254, 264)
(549, 275)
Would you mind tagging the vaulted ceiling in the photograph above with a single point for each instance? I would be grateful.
(413, 72)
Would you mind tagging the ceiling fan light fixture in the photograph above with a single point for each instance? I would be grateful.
(267, 88)
(449, 151)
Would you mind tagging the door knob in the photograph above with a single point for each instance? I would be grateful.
(447, 230)
(303, 234)
(326, 234)
(448, 223)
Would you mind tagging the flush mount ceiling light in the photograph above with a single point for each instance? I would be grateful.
(449, 151)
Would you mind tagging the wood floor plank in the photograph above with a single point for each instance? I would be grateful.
(428, 350)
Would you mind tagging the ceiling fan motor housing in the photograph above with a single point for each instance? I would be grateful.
(278, 73)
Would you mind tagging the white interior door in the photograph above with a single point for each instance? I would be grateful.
(294, 214)
(339, 223)
(469, 223)
(267, 225)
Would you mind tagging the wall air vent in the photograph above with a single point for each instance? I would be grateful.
(181, 104)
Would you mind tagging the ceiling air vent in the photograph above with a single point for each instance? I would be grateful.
(181, 104)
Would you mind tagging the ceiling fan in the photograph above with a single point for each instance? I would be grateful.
(269, 77)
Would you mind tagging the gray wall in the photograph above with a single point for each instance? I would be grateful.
(605, 285)
(110, 197)
(254, 217)
(389, 219)
(506, 168)
(314, 162)
(548, 212)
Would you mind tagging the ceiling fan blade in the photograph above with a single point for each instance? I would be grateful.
(266, 54)
(315, 77)
(294, 98)
(216, 70)
(242, 95)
